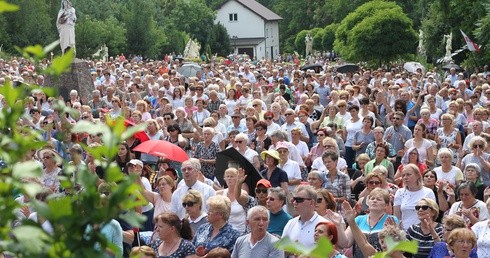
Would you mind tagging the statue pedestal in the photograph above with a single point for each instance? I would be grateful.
(78, 79)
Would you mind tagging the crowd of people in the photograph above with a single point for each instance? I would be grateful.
(354, 157)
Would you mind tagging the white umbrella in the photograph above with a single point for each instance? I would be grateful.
(412, 67)
(189, 70)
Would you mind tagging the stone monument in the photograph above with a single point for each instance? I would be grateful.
(78, 78)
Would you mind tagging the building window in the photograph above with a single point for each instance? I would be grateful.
(233, 17)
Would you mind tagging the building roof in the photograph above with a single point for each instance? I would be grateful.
(259, 9)
(246, 41)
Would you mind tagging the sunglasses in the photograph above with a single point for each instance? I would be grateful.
(374, 182)
(397, 118)
(255, 105)
(423, 207)
(300, 199)
(259, 129)
(235, 117)
(478, 146)
(199, 89)
(268, 118)
(340, 106)
(239, 142)
(271, 199)
(188, 204)
(320, 134)
(319, 200)
(167, 118)
(288, 114)
(259, 190)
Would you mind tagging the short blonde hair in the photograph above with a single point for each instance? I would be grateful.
(221, 204)
(193, 196)
(461, 234)
(433, 206)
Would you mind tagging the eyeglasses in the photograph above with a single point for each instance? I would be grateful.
(478, 146)
(260, 190)
(167, 118)
(397, 118)
(319, 200)
(259, 129)
(188, 204)
(469, 242)
(255, 105)
(341, 106)
(199, 89)
(239, 142)
(268, 118)
(271, 199)
(47, 157)
(300, 199)
(423, 207)
(288, 114)
(430, 176)
(398, 107)
(374, 182)
(328, 146)
(235, 117)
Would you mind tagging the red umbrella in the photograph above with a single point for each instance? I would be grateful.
(141, 135)
(162, 149)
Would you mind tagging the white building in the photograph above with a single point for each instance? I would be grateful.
(253, 28)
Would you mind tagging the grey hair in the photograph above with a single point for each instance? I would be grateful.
(280, 135)
(256, 209)
(194, 162)
(446, 151)
(281, 194)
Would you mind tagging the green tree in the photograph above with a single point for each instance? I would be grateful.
(30, 25)
(219, 40)
(91, 34)
(329, 36)
(140, 27)
(377, 31)
(450, 16)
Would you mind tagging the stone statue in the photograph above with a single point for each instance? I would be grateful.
(309, 44)
(421, 48)
(102, 53)
(192, 49)
(449, 47)
(66, 25)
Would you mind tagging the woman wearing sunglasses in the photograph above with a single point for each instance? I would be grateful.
(192, 203)
(478, 145)
(428, 231)
(372, 181)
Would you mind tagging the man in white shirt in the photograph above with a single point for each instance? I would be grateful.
(292, 123)
(190, 172)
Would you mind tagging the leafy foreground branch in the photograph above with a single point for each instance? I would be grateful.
(78, 212)
(324, 248)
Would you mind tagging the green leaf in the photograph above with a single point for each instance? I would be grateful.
(32, 237)
(61, 63)
(11, 94)
(36, 50)
(32, 189)
(133, 218)
(60, 207)
(26, 169)
(322, 248)
(114, 174)
(290, 246)
(404, 246)
(51, 46)
(8, 7)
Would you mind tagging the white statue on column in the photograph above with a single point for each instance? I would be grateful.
(421, 48)
(309, 44)
(66, 25)
(449, 47)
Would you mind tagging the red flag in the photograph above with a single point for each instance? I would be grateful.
(472, 46)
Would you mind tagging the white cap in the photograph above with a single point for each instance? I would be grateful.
(136, 162)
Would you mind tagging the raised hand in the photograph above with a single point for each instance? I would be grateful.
(349, 213)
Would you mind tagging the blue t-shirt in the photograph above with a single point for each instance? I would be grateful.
(440, 250)
(278, 221)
